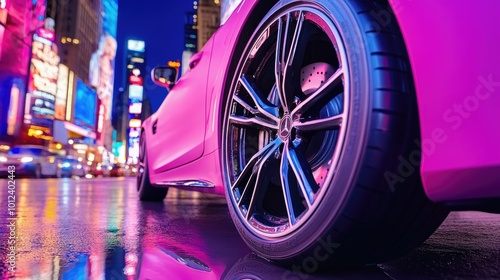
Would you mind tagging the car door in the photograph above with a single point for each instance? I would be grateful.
(179, 125)
(48, 162)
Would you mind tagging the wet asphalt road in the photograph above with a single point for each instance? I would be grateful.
(97, 229)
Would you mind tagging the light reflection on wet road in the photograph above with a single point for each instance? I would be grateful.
(97, 229)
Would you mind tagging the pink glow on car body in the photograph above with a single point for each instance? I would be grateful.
(452, 53)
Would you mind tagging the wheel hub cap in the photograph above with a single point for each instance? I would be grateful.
(285, 128)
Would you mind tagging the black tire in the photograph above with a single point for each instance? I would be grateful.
(146, 190)
(59, 173)
(37, 173)
(368, 208)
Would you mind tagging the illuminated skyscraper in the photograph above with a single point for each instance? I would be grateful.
(85, 34)
(191, 32)
(208, 20)
(131, 106)
(78, 26)
(190, 38)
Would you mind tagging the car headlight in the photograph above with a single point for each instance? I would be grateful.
(79, 166)
(3, 159)
(66, 165)
(26, 159)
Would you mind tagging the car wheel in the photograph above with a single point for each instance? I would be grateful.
(38, 172)
(147, 191)
(320, 113)
(59, 173)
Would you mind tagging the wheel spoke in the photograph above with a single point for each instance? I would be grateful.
(281, 60)
(285, 184)
(303, 174)
(245, 105)
(249, 168)
(320, 96)
(295, 40)
(329, 123)
(261, 173)
(290, 48)
(252, 122)
(264, 107)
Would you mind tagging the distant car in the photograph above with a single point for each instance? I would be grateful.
(95, 169)
(64, 168)
(130, 170)
(116, 170)
(73, 167)
(341, 132)
(30, 160)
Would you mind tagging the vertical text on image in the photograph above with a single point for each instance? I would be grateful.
(11, 219)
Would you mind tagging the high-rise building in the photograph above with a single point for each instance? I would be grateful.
(78, 25)
(208, 20)
(85, 34)
(131, 107)
(191, 32)
(190, 38)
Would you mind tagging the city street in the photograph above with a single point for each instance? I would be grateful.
(97, 229)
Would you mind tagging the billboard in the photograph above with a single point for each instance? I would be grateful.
(102, 69)
(3, 21)
(18, 21)
(136, 93)
(135, 108)
(11, 104)
(62, 92)
(85, 105)
(136, 45)
(42, 82)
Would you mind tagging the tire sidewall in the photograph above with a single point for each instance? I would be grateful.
(325, 214)
(38, 172)
(146, 190)
(145, 175)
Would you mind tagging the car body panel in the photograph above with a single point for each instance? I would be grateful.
(183, 109)
(451, 50)
(454, 57)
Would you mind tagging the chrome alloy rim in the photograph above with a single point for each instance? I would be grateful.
(286, 120)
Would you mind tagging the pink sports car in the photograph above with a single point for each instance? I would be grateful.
(341, 132)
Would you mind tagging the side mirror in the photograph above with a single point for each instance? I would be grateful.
(164, 76)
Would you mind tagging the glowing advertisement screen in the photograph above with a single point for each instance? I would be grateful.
(62, 92)
(85, 105)
(136, 93)
(135, 108)
(102, 69)
(42, 85)
(136, 45)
